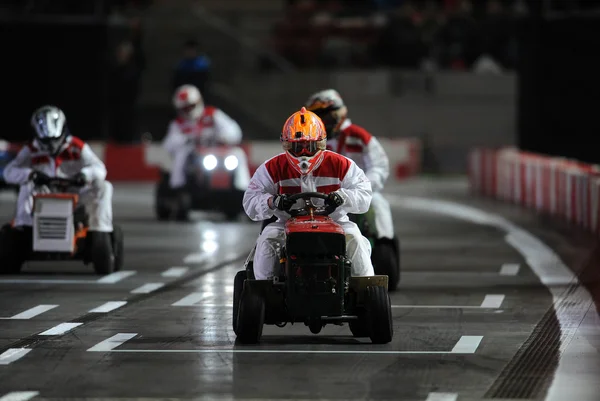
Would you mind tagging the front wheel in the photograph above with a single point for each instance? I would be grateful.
(379, 315)
(12, 250)
(118, 240)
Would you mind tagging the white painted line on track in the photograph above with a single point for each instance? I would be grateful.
(113, 342)
(510, 269)
(19, 395)
(393, 306)
(467, 345)
(107, 307)
(45, 281)
(492, 301)
(147, 288)
(59, 329)
(175, 272)
(12, 354)
(116, 277)
(442, 397)
(285, 351)
(33, 312)
(190, 299)
(197, 257)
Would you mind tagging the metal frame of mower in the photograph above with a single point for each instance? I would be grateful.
(314, 285)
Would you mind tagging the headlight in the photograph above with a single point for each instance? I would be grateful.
(231, 162)
(209, 162)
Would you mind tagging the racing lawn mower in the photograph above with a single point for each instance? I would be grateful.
(385, 252)
(60, 232)
(210, 185)
(314, 284)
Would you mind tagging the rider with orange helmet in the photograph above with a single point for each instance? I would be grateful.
(306, 166)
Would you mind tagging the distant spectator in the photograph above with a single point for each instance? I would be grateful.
(124, 81)
(496, 33)
(456, 43)
(193, 69)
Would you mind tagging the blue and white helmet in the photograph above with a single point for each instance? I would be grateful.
(49, 125)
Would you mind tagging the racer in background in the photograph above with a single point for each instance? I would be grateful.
(305, 166)
(198, 124)
(358, 144)
(55, 153)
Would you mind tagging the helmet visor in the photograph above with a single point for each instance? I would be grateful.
(303, 148)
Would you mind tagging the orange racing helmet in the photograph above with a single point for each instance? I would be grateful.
(304, 139)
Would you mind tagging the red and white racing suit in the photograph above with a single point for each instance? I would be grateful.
(363, 148)
(213, 126)
(74, 157)
(334, 173)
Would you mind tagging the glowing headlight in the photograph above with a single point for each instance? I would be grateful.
(209, 162)
(231, 162)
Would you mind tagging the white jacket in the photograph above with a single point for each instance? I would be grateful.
(75, 156)
(359, 145)
(212, 124)
(334, 173)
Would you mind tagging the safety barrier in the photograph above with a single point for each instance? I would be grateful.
(138, 163)
(550, 185)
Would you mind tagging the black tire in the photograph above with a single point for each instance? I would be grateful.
(379, 315)
(118, 246)
(13, 250)
(385, 262)
(251, 317)
(163, 194)
(359, 327)
(238, 287)
(101, 252)
(184, 206)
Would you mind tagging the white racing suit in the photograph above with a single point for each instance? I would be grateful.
(74, 157)
(334, 173)
(213, 126)
(365, 150)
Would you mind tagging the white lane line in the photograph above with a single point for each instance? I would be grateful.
(12, 354)
(442, 397)
(190, 299)
(59, 329)
(29, 313)
(113, 342)
(147, 288)
(492, 301)
(175, 272)
(107, 307)
(45, 281)
(116, 277)
(510, 269)
(197, 257)
(282, 351)
(467, 345)
(19, 395)
(393, 306)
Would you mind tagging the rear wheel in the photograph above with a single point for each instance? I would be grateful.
(101, 252)
(379, 315)
(13, 249)
(118, 240)
(385, 262)
(251, 317)
(238, 287)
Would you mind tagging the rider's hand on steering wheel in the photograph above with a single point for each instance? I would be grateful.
(282, 202)
(39, 178)
(80, 179)
(334, 200)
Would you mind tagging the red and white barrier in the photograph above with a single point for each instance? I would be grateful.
(556, 186)
(143, 162)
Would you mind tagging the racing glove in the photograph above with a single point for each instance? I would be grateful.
(39, 178)
(282, 202)
(79, 179)
(334, 200)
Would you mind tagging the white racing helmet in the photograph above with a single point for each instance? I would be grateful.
(50, 128)
(188, 102)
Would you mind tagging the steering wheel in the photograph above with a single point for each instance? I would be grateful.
(309, 208)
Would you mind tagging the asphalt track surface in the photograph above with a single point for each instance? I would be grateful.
(474, 316)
